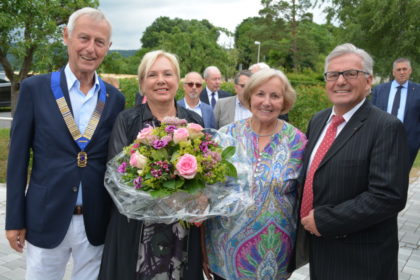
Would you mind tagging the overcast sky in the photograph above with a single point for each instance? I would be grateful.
(129, 18)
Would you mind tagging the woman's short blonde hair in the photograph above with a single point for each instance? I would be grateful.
(261, 77)
(150, 58)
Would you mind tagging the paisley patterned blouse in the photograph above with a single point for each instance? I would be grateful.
(257, 243)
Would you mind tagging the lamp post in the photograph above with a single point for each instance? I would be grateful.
(258, 55)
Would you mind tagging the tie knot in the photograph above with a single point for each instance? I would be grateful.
(213, 93)
(337, 120)
(399, 87)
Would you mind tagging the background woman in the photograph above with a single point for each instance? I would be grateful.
(134, 250)
(257, 243)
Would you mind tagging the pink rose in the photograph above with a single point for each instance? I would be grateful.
(187, 166)
(145, 135)
(138, 160)
(180, 134)
(195, 130)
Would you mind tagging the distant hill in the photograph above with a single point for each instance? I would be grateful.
(124, 53)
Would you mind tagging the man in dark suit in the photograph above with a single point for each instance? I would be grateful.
(212, 92)
(356, 177)
(193, 83)
(64, 118)
(404, 103)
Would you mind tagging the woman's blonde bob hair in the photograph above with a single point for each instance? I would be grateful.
(150, 58)
(261, 77)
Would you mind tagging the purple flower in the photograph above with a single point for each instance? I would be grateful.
(137, 183)
(122, 168)
(204, 147)
(170, 128)
(159, 144)
(156, 173)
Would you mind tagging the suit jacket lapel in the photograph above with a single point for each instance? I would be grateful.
(384, 97)
(410, 99)
(355, 123)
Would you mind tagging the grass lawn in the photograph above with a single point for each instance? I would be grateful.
(4, 149)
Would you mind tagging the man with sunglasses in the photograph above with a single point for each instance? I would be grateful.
(230, 109)
(401, 98)
(354, 177)
(193, 82)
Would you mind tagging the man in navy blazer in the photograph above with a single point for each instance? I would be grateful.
(355, 174)
(193, 83)
(64, 119)
(407, 102)
(212, 92)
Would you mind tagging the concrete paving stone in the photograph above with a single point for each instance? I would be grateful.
(404, 276)
(16, 274)
(411, 238)
(412, 270)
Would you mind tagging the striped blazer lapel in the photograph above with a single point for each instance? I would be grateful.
(355, 123)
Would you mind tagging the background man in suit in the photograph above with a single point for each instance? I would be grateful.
(230, 109)
(212, 92)
(404, 103)
(355, 182)
(193, 83)
(65, 119)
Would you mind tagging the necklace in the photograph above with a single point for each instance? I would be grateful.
(265, 135)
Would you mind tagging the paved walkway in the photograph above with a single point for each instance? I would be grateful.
(12, 264)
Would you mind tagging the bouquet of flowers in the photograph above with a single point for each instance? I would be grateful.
(176, 171)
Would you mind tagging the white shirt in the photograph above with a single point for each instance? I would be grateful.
(196, 109)
(209, 92)
(241, 112)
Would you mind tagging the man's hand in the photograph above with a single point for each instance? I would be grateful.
(308, 223)
(16, 239)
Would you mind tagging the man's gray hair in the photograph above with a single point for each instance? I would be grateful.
(208, 69)
(367, 61)
(92, 13)
(259, 66)
(400, 60)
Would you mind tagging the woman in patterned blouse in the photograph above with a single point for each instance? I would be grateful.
(257, 243)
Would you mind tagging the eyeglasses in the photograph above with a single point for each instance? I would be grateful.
(348, 75)
(197, 85)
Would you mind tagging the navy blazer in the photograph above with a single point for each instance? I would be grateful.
(46, 209)
(205, 98)
(380, 95)
(206, 112)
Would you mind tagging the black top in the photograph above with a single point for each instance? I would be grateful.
(121, 251)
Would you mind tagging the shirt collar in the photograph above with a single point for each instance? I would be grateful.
(396, 84)
(72, 80)
(347, 116)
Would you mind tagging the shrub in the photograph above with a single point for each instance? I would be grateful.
(310, 100)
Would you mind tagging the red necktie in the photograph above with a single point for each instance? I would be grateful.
(308, 195)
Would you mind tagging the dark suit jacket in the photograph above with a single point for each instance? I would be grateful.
(205, 98)
(47, 207)
(380, 96)
(206, 112)
(359, 188)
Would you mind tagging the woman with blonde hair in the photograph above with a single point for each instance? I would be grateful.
(133, 249)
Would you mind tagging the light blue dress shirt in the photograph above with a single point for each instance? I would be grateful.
(82, 106)
(403, 99)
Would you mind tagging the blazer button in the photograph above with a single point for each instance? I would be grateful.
(75, 189)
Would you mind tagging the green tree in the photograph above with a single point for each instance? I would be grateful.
(28, 29)
(386, 29)
(193, 41)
